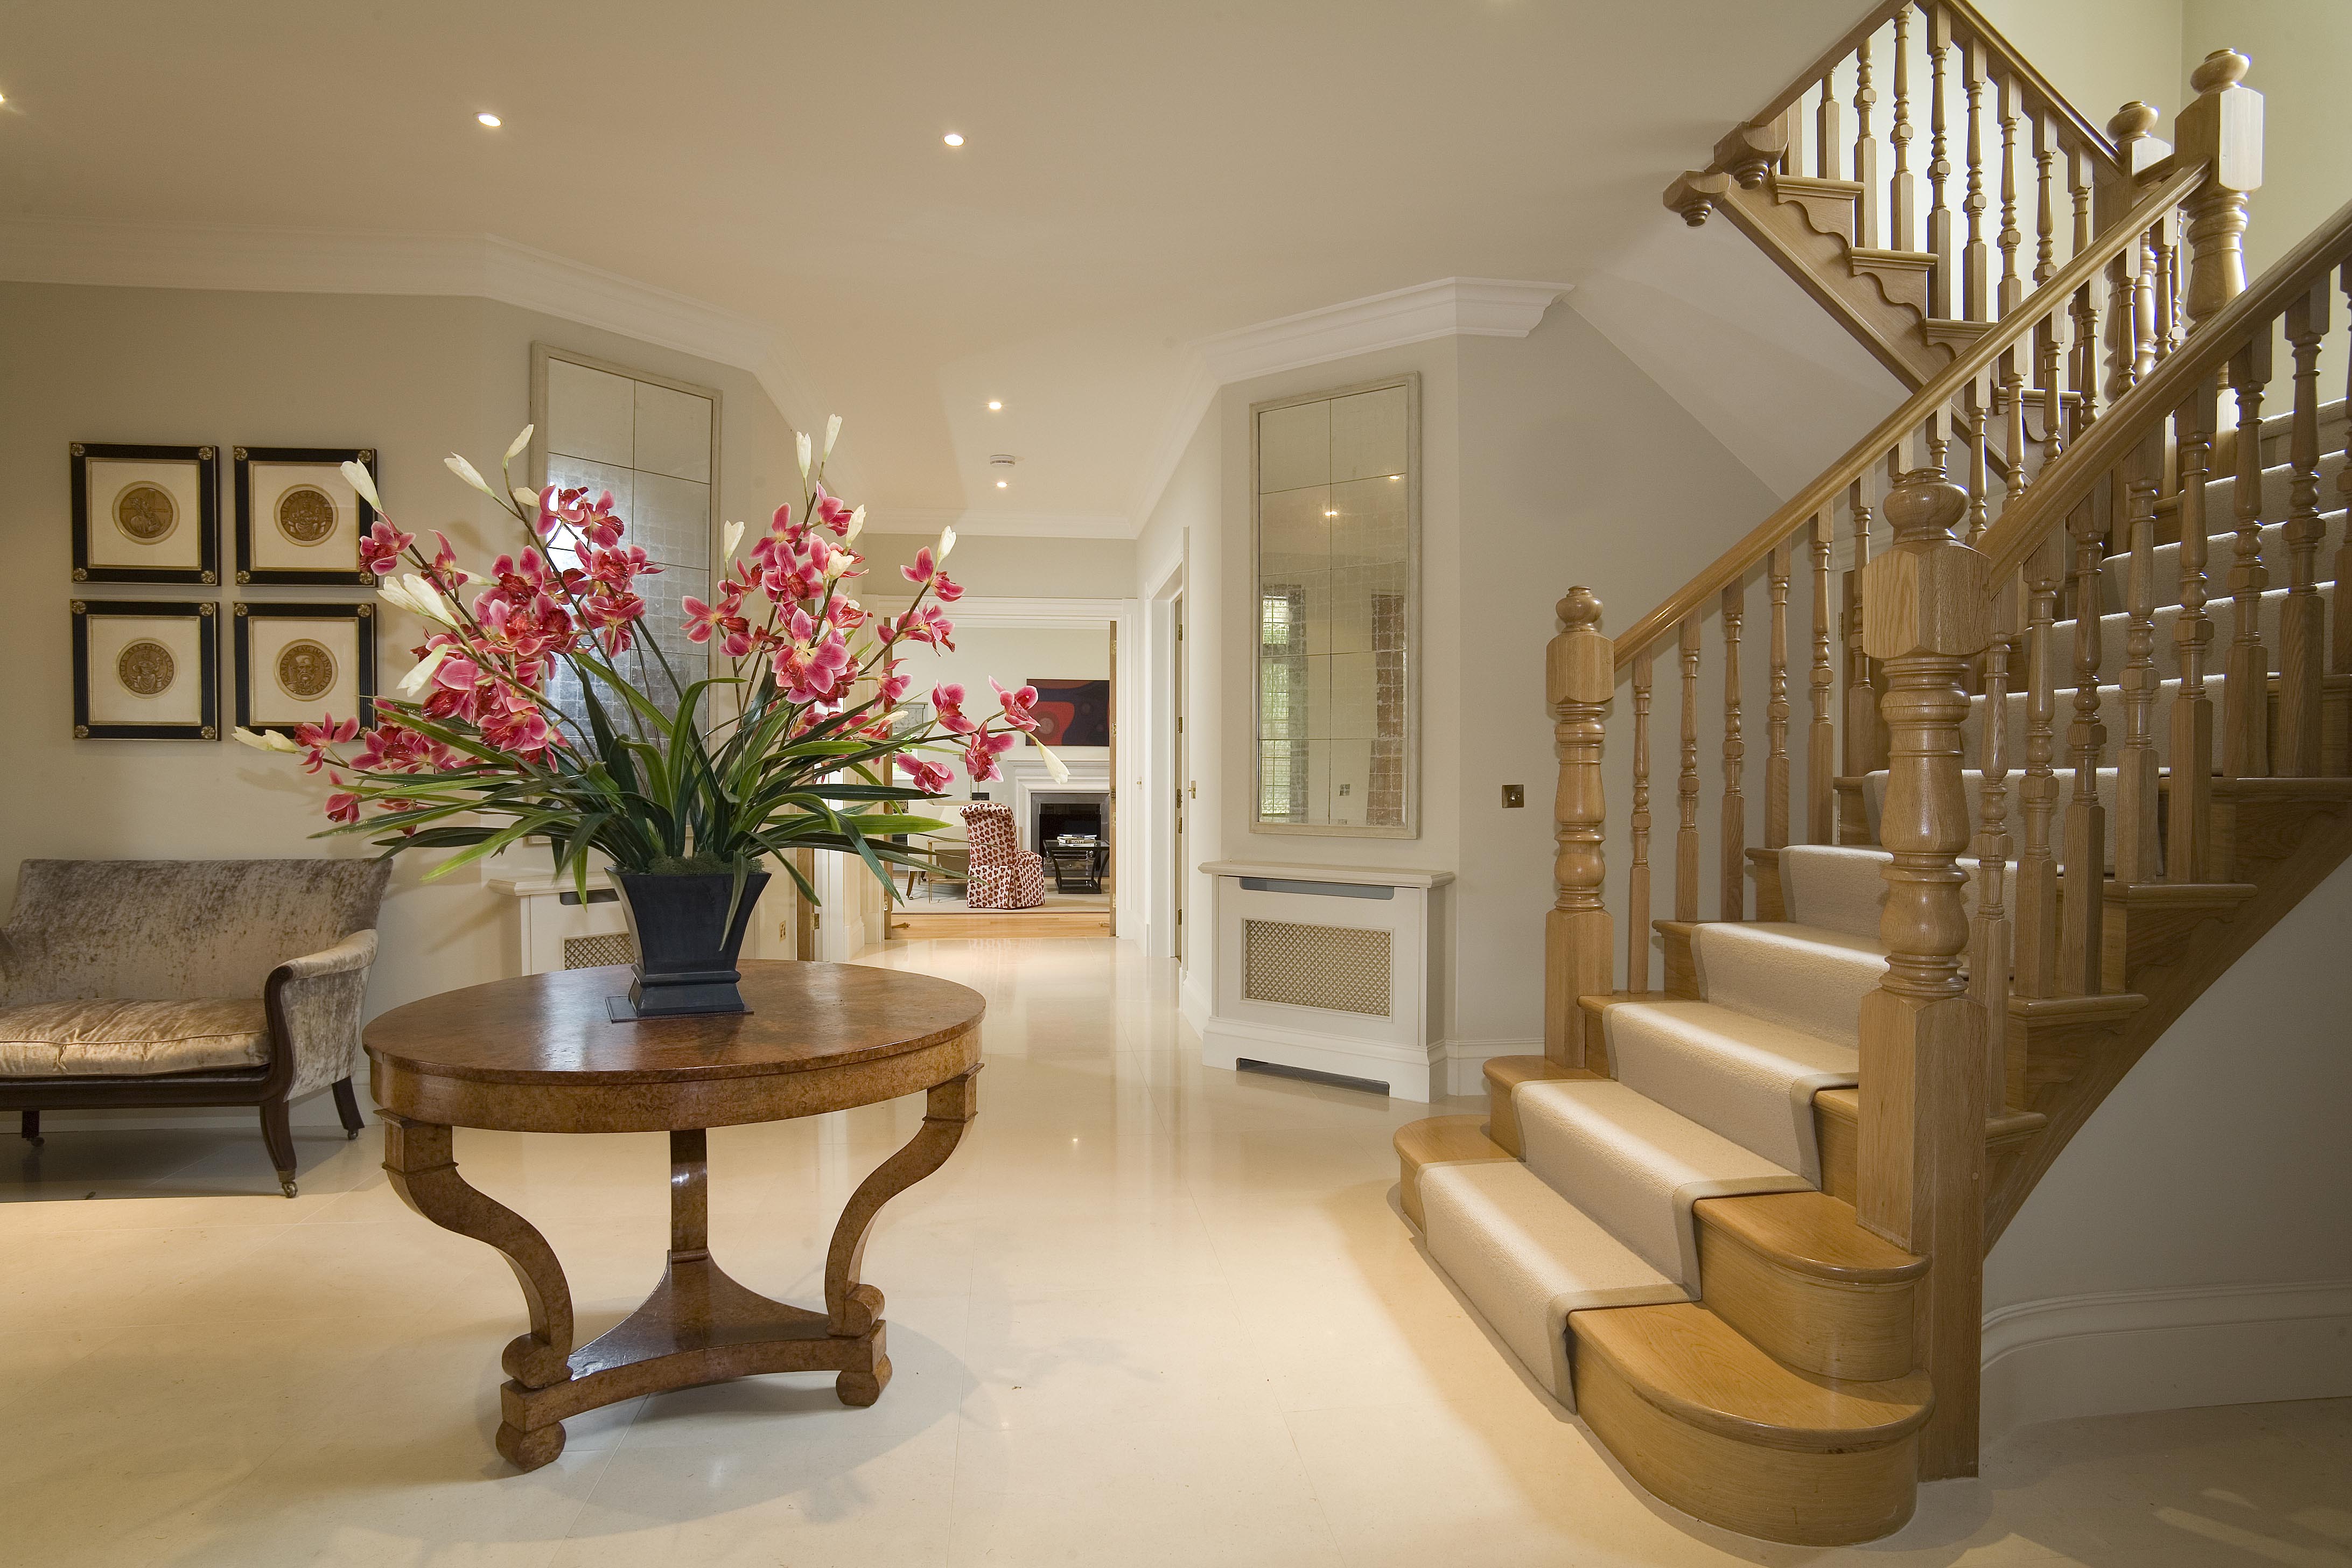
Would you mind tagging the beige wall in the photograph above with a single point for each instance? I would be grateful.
(415, 377)
(2302, 51)
(998, 566)
(1183, 536)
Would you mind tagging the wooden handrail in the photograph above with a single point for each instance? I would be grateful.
(1758, 546)
(2001, 49)
(2064, 484)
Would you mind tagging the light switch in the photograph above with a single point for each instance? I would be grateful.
(1514, 795)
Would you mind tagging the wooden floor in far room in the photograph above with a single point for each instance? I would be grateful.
(915, 925)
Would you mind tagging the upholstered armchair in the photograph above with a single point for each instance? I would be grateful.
(1003, 876)
(164, 983)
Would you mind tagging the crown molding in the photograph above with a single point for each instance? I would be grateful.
(927, 519)
(123, 254)
(1450, 307)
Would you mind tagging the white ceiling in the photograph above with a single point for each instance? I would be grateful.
(1135, 178)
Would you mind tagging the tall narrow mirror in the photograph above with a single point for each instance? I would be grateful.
(1335, 487)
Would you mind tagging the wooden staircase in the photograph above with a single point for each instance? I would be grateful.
(1737, 1214)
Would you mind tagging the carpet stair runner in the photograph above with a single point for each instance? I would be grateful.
(1653, 1245)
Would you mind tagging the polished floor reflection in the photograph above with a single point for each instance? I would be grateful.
(1150, 1314)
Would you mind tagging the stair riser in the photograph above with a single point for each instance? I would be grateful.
(2114, 631)
(1858, 1331)
(1777, 1494)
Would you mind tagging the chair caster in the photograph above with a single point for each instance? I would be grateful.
(287, 1183)
(352, 1136)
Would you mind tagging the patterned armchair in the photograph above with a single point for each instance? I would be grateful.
(1003, 874)
(155, 983)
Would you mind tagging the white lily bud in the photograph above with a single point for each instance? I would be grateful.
(429, 602)
(418, 678)
(857, 526)
(527, 499)
(839, 562)
(947, 542)
(465, 470)
(363, 483)
(831, 433)
(1053, 764)
(254, 738)
(515, 450)
(729, 538)
(806, 452)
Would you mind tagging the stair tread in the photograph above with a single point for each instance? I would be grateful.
(1442, 1140)
(1506, 1073)
(1808, 977)
(1697, 1368)
(1746, 1078)
(1812, 1233)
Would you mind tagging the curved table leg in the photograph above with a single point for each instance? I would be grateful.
(419, 1158)
(855, 1308)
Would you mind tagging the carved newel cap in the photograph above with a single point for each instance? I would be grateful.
(1579, 609)
(2134, 120)
(1579, 665)
(1926, 594)
(2222, 68)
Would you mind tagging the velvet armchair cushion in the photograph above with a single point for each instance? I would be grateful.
(132, 1039)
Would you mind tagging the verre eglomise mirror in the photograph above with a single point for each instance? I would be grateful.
(1336, 489)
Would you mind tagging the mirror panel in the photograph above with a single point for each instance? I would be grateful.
(1337, 534)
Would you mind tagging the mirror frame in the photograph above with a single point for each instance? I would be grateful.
(1411, 826)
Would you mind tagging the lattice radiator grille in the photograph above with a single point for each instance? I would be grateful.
(596, 952)
(1341, 969)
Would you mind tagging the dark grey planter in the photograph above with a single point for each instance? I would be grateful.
(686, 944)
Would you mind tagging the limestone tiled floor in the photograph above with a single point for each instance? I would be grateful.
(1149, 1314)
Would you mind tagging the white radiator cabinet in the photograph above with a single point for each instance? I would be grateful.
(559, 930)
(1328, 968)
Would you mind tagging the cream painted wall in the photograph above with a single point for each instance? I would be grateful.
(2301, 50)
(2100, 54)
(1182, 536)
(415, 377)
(1003, 566)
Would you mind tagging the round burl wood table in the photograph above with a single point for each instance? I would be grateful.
(541, 1055)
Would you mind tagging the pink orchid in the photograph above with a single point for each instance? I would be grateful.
(458, 674)
(981, 752)
(920, 572)
(444, 572)
(342, 806)
(1020, 707)
(380, 550)
(931, 778)
(946, 589)
(946, 701)
(831, 512)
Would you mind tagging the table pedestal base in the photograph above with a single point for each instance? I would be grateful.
(699, 1326)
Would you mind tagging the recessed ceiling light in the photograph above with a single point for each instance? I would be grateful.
(1330, 514)
(487, 118)
(995, 405)
(1000, 484)
(954, 138)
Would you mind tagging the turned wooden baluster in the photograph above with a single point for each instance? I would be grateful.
(2302, 650)
(1776, 705)
(2341, 649)
(2045, 212)
(2165, 275)
(2246, 693)
(1988, 955)
(1920, 1165)
(2080, 941)
(1901, 215)
(1865, 153)
(1732, 895)
(1686, 787)
(2221, 128)
(2013, 287)
(1637, 885)
(2078, 186)
(1821, 735)
(2050, 378)
(2011, 400)
(1977, 474)
(1974, 260)
(1826, 134)
(1864, 745)
(2189, 819)
(2037, 867)
(2136, 769)
(2123, 317)
(2083, 360)
(2144, 301)
(1579, 670)
(1939, 168)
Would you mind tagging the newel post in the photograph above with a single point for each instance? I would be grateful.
(2223, 130)
(1580, 673)
(1926, 613)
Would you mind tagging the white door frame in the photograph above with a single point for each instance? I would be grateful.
(1156, 766)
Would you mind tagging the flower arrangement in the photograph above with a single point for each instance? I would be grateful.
(658, 779)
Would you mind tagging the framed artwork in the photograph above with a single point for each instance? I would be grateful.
(296, 663)
(146, 670)
(145, 514)
(298, 519)
(1073, 712)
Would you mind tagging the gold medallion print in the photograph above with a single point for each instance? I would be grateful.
(146, 667)
(306, 514)
(305, 670)
(145, 512)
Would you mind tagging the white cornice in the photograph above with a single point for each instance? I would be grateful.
(1450, 307)
(925, 520)
(321, 262)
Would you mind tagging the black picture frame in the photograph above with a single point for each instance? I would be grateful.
(242, 461)
(207, 461)
(360, 613)
(206, 725)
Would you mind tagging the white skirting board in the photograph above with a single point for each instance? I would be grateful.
(2120, 1353)
(1466, 1061)
(1411, 1072)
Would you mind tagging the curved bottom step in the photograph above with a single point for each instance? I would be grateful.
(1709, 1423)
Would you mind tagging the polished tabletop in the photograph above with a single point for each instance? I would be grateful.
(553, 1028)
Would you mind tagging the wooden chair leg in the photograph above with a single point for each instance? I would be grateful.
(347, 1105)
(278, 1132)
(32, 1127)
